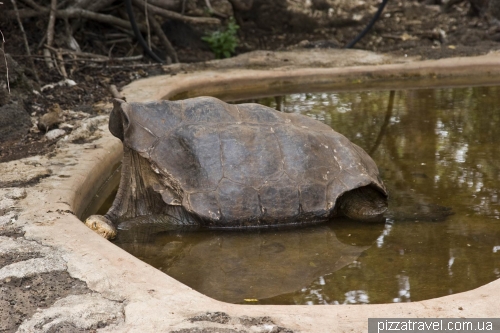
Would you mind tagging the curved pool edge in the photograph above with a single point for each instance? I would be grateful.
(237, 82)
(153, 301)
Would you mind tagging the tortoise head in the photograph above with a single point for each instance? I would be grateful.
(129, 122)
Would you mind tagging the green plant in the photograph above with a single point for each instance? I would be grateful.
(223, 42)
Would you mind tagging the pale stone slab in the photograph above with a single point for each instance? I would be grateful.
(32, 267)
(79, 312)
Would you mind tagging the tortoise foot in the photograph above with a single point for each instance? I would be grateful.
(101, 225)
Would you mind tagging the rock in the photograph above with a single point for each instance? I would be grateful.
(4, 96)
(15, 193)
(54, 134)
(15, 71)
(20, 246)
(75, 313)
(7, 219)
(20, 86)
(6, 205)
(88, 130)
(15, 122)
(23, 173)
(32, 267)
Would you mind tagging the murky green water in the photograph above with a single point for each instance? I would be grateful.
(436, 149)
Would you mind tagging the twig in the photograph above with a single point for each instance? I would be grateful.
(71, 41)
(169, 5)
(98, 5)
(133, 65)
(73, 65)
(131, 51)
(115, 35)
(176, 16)
(65, 3)
(163, 38)
(33, 4)
(82, 4)
(75, 13)
(147, 23)
(42, 42)
(119, 40)
(61, 64)
(111, 50)
(26, 45)
(92, 56)
(110, 19)
(100, 60)
(212, 10)
(118, 59)
(137, 32)
(5, 58)
(81, 54)
(50, 33)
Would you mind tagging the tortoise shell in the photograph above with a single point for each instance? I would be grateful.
(245, 164)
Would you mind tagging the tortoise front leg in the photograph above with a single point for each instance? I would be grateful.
(363, 204)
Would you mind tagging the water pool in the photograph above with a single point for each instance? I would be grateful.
(437, 152)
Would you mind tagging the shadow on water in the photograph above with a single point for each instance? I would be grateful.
(436, 151)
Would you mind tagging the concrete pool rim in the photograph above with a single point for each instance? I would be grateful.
(155, 302)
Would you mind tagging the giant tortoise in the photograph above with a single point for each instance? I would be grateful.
(204, 162)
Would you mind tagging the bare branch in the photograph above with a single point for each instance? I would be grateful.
(176, 16)
(207, 2)
(61, 65)
(33, 4)
(174, 5)
(159, 32)
(50, 33)
(6, 64)
(146, 15)
(163, 38)
(80, 54)
(52, 21)
(76, 13)
(24, 13)
(79, 12)
(98, 5)
(26, 45)
(92, 56)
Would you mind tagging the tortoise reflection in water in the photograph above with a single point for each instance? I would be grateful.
(235, 265)
(204, 162)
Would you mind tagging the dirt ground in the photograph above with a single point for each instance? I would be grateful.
(412, 28)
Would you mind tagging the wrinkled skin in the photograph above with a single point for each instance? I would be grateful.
(204, 162)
